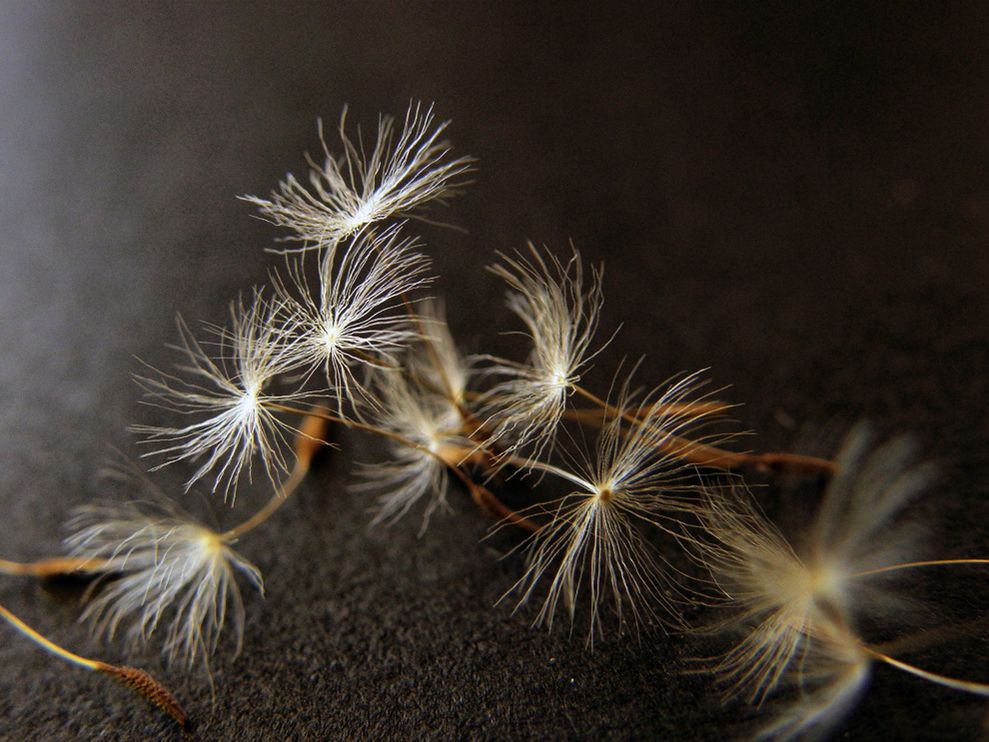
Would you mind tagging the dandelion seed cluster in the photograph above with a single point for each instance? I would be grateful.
(346, 336)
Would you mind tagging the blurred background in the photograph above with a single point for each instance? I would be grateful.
(795, 197)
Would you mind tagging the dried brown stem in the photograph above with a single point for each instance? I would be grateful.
(703, 454)
(481, 495)
(307, 443)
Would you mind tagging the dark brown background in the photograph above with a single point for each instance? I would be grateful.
(793, 197)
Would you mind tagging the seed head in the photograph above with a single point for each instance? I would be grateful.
(227, 396)
(561, 315)
(162, 568)
(358, 318)
(405, 169)
(597, 539)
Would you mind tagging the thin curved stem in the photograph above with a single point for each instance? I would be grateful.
(47, 644)
(51, 567)
(526, 463)
(307, 442)
(486, 500)
(136, 679)
(278, 499)
(968, 686)
(707, 455)
(481, 495)
(914, 565)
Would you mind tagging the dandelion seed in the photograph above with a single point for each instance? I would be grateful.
(228, 394)
(360, 318)
(561, 315)
(799, 610)
(436, 361)
(429, 420)
(832, 677)
(350, 191)
(780, 597)
(161, 567)
(593, 540)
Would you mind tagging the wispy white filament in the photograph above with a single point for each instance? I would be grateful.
(406, 168)
(832, 677)
(437, 361)
(358, 315)
(226, 396)
(636, 482)
(798, 609)
(429, 420)
(163, 569)
(561, 315)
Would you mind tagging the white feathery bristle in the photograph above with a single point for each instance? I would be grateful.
(798, 610)
(226, 395)
(855, 529)
(428, 420)
(832, 677)
(453, 376)
(404, 170)
(358, 316)
(161, 567)
(780, 598)
(561, 315)
(634, 483)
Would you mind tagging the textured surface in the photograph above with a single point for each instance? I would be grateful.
(798, 201)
